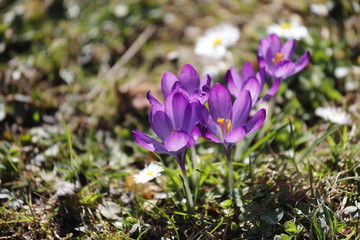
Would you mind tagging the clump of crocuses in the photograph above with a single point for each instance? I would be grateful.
(192, 109)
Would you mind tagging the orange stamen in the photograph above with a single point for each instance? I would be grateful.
(278, 58)
(224, 128)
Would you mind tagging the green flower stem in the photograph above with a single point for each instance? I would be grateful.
(230, 172)
(190, 201)
(195, 165)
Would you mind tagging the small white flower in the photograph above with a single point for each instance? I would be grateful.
(341, 72)
(321, 9)
(150, 172)
(213, 44)
(2, 111)
(332, 114)
(289, 30)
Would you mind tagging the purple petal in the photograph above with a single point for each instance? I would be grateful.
(247, 71)
(302, 62)
(167, 82)
(175, 106)
(211, 136)
(177, 141)
(288, 49)
(148, 142)
(253, 86)
(205, 89)
(159, 124)
(192, 115)
(220, 102)
(210, 124)
(272, 91)
(284, 69)
(155, 106)
(189, 78)
(235, 135)
(196, 133)
(233, 81)
(262, 64)
(261, 77)
(275, 43)
(264, 45)
(256, 121)
(241, 109)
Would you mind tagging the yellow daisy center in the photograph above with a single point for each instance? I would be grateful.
(285, 25)
(217, 41)
(151, 173)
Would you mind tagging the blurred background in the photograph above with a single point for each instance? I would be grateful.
(87, 65)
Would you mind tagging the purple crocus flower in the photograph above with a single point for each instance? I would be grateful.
(176, 123)
(187, 82)
(228, 123)
(276, 58)
(249, 80)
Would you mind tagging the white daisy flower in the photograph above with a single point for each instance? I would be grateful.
(213, 44)
(150, 172)
(289, 30)
(332, 114)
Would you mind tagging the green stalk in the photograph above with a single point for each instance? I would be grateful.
(189, 202)
(195, 165)
(231, 174)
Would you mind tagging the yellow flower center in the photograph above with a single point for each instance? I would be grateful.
(278, 58)
(285, 25)
(151, 173)
(225, 125)
(217, 41)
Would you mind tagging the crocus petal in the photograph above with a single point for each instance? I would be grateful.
(253, 86)
(233, 81)
(211, 136)
(262, 64)
(167, 82)
(159, 124)
(235, 135)
(261, 77)
(302, 62)
(189, 78)
(247, 71)
(148, 142)
(275, 43)
(196, 132)
(284, 69)
(210, 124)
(272, 91)
(241, 109)
(177, 141)
(264, 45)
(155, 106)
(256, 121)
(288, 49)
(204, 89)
(175, 106)
(220, 102)
(192, 115)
